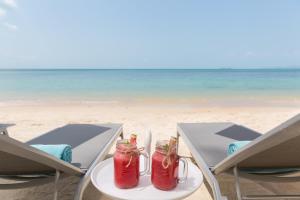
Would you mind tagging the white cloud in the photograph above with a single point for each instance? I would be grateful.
(11, 26)
(2, 12)
(10, 3)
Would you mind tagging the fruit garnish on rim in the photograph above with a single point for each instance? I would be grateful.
(172, 145)
(166, 147)
(133, 138)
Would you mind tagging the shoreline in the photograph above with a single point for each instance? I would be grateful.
(211, 102)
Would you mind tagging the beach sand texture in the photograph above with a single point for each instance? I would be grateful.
(33, 119)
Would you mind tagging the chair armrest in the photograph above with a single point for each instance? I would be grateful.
(208, 175)
(4, 131)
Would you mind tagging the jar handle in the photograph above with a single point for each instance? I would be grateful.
(185, 170)
(146, 163)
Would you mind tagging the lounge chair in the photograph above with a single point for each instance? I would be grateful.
(90, 144)
(277, 150)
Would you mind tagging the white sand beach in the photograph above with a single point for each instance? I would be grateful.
(34, 118)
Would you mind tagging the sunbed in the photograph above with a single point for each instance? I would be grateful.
(90, 144)
(270, 157)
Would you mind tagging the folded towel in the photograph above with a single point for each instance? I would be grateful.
(60, 151)
(235, 146)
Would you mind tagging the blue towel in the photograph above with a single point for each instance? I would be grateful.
(235, 146)
(60, 151)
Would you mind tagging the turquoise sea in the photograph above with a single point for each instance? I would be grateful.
(98, 84)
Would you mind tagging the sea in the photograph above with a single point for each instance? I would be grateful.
(110, 84)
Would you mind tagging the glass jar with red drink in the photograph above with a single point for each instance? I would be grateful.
(127, 164)
(165, 164)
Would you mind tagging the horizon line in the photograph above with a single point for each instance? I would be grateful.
(153, 68)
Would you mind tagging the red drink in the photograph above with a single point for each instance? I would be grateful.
(126, 165)
(165, 162)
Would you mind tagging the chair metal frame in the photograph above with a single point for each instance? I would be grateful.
(212, 181)
(240, 196)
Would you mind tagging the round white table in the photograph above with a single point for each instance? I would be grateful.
(103, 179)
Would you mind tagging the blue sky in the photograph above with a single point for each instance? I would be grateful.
(146, 34)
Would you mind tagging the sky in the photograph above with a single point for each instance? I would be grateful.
(149, 34)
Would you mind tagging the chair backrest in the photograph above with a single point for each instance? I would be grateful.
(279, 147)
(18, 158)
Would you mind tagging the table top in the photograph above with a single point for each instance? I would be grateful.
(103, 179)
